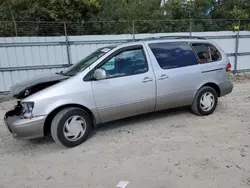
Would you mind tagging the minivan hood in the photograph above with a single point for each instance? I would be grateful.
(26, 88)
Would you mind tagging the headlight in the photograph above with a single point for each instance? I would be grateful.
(27, 109)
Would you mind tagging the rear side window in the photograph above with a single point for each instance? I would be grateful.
(206, 53)
(172, 55)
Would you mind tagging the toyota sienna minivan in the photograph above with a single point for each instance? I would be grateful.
(120, 81)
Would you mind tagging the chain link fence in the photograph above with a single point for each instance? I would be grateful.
(11, 29)
(63, 43)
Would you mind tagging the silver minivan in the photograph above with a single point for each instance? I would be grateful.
(117, 82)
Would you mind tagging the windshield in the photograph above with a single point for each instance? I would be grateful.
(86, 62)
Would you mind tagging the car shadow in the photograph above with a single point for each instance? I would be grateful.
(47, 142)
(141, 119)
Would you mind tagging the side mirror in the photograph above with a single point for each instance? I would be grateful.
(100, 74)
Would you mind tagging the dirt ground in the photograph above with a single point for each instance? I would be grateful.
(170, 149)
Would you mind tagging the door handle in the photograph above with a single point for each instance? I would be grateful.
(163, 77)
(147, 79)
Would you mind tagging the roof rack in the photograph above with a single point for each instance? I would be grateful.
(171, 37)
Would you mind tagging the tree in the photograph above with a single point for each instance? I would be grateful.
(120, 16)
(232, 9)
(14, 11)
(124, 12)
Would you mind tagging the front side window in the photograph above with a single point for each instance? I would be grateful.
(126, 63)
(206, 53)
(172, 55)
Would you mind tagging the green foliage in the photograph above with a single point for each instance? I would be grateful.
(120, 16)
(239, 13)
(72, 10)
(48, 10)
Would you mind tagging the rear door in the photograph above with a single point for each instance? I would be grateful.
(177, 73)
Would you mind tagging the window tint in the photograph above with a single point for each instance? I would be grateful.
(215, 54)
(206, 53)
(126, 63)
(173, 54)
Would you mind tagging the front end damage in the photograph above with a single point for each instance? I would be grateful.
(29, 90)
(20, 120)
(23, 127)
(28, 87)
(12, 113)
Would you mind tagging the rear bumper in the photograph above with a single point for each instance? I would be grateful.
(25, 128)
(225, 88)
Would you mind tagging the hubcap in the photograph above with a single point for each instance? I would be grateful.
(207, 101)
(74, 128)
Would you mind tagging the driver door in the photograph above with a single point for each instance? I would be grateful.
(129, 88)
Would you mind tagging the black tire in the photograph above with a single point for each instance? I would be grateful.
(59, 120)
(196, 105)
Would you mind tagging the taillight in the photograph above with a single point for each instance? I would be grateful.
(228, 67)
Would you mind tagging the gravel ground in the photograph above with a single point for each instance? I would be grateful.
(160, 150)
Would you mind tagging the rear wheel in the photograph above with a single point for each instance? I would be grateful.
(205, 101)
(71, 127)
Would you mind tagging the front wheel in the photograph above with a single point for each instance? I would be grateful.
(205, 101)
(71, 127)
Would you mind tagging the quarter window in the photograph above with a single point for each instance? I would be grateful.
(172, 55)
(206, 53)
(126, 63)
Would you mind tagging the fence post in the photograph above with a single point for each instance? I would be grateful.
(190, 27)
(15, 26)
(67, 44)
(236, 49)
(133, 29)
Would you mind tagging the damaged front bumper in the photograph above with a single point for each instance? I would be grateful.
(23, 128)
